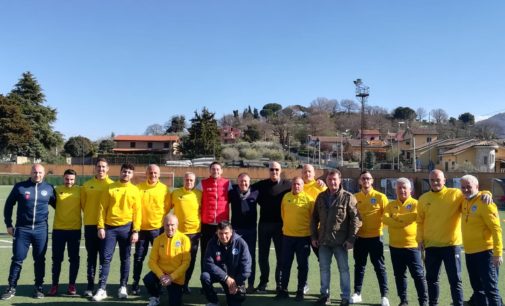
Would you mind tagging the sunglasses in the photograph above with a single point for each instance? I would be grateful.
(274, 169)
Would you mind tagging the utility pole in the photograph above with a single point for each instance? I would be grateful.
(362, 93)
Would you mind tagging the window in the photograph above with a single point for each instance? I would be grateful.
(408, 155)
(150, 145)
(132, 144)
(428, 139)
(166, 145)
(485, 160)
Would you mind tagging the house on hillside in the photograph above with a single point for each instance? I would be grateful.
(369, 135)
(411, 138)
(165, 145)
(458, 154)
(229, 134)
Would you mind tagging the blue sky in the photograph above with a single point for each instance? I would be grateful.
(119, 66)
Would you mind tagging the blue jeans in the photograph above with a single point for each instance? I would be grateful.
(374, 247)
(120, 235)
(153, 286)
(146, 237)
(340, 254)
(23, 237)
(483, 278)
(301, 247)
(72, 239)
(451, 257)
(403, 258)
(249, 235)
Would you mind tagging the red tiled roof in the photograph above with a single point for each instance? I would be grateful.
(160, 138)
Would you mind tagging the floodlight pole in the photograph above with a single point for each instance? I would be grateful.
(362, 93)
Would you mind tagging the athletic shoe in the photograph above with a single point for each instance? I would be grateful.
(122, 293)
(345, 302)
(186, 290)
(262, 288)
(250, 290)
(306, 288)
(355, 298)
(53, 291)
(323, 300)
(154, 301)
(8, 293)
(38, 293)
(299, 296)
(88, 293)
(281, 294)
(135, 289)
(404, 303)
(100, 295)
(384, 301)
(71, 290)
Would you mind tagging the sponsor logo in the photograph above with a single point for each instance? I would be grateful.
(234, 251)
(44, 193)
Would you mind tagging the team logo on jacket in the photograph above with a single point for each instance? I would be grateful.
(218, 256)
(373, 201)
(474, 208)
(178, 244)
(27, 195)
(43, 193)
(408, 207)
(234, 251)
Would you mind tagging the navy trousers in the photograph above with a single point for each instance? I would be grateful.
(291, 246)
(153, 286)
(403, 258)
(120, 235)
(92, 243)
(451, 257)
(375, 247)
(249, 235)
(71, 239)
(195, 240)
(23, 238)
(146, 238)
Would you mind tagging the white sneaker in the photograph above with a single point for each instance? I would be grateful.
(100, 295)
(154, 301)
(122, 293)
(384, 301)
(355, 298)
(306, 289)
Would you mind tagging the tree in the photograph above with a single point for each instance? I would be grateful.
(256, 113)
(106, 146)
(467, 119)
(28, 96)
(269, 109)
(13, 132)
(177, 124)
(203, 138)
(439, 115)
(404, 113)
(79, 146)
(369, 160)
(154, 129)
(252, 133)
(349, 106)
(421, 113)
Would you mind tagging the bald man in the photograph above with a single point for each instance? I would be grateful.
(33, 197)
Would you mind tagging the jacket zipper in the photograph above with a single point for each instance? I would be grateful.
(35, 205)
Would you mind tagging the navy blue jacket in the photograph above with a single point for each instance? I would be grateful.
(232, 260)
(33, 201)
(243, 211)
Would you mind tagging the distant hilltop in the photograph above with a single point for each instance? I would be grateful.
(497, 122)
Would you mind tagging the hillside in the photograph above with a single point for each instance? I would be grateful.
(497, 121)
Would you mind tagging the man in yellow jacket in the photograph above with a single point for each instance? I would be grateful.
(66, 231)
(155, 202)
(296, 213)
(119, 219)
(186, 203)
(91, 192)
(439, 234)
(168, 261)
(371, 205)
(482, 239)
(400, 216)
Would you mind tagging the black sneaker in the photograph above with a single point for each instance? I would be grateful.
(38, 293)
(262, 288)
(281, 294)
(135, 289)
(323, 300)
(404, 303)
(299, 296)
(8, 293)
(186, 290)
(344, 302)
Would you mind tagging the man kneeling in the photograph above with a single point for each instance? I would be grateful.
(169, 260)
(227, 261)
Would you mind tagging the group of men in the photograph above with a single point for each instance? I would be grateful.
(222, 218)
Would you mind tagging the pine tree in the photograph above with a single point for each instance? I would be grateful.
(203, 138)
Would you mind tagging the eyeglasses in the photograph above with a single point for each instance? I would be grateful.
(366, 178)
(275, 169)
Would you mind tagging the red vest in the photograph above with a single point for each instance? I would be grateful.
(215, 206)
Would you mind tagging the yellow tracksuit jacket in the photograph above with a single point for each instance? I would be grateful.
(155, 204)
(371, 208)
(119, 205)
(401, 220)
(296, 213)
(186, 205)
(67, 215)
(91, 192)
